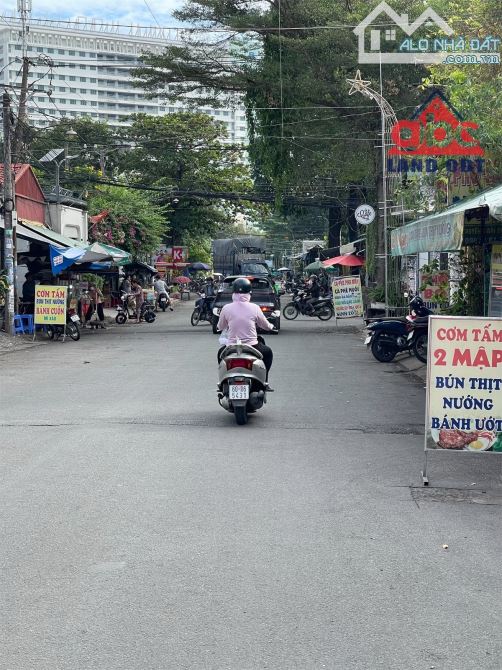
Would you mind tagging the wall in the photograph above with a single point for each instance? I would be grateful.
(68, 221)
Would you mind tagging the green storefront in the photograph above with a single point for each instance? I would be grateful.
(473, 222)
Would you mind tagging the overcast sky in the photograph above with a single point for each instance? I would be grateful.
(123, 11)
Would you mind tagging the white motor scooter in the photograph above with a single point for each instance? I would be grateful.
(242, 384)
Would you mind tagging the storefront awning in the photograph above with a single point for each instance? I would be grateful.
(52, 236)
(443, 231)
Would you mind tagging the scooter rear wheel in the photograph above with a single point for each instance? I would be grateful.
(382, 352)
(73, 331)
(420, 347)
(120, 318)
(241, 415)
(325, 313)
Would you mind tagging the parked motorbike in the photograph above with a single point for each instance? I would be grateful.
(242, 387)
(71, 328)
(418, 338)
(203, 310)
(125, 311)
(389, 337)
(163, 302)
(321, 308)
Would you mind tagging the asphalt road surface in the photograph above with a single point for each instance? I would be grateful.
(141, 529)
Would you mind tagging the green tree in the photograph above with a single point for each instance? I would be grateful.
(182, 156)
(133, 222)
(308, 137)
(475, 90)
(91, 144)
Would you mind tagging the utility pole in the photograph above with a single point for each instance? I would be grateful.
(8, 207)
(24, 9)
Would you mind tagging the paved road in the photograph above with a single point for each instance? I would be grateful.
(142, 530)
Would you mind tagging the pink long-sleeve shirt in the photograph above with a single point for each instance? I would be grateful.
(241, 317)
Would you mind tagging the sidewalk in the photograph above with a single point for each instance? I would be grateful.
(9, 344)
(412, 365)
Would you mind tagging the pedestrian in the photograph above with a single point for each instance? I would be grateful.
(137, 291)
(96, 304)
(125, 287)
(29, 293)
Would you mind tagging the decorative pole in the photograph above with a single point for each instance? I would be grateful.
(388, 119)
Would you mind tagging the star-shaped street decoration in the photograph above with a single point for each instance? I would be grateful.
(358, 84)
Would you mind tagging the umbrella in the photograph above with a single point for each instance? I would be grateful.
(63, 257)
(119, 256)
(316, 265)
(199, 266)
(181, 280)
(348, 261)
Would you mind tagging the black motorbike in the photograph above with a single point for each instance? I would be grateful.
(389, 337)
(70, 329)
(322, 308)
(163, 302)
(203, 310)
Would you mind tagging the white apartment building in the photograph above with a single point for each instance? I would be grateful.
(85, 71)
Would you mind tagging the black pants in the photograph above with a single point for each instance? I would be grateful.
(90, 312)
(265, 351)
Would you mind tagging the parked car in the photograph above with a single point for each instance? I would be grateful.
(262, 293)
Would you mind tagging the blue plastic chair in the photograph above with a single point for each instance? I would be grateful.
(18, 324)
(28, 323)
(24, 323)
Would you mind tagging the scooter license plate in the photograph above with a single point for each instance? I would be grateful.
(367, 340)
(238, 391)
(74, 317)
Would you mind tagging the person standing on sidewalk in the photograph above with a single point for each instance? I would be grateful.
(97, 303)
(137, 291)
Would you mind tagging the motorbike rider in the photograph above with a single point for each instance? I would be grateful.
(313, 292)
(160, 287)
(209, 291)
(241, 318)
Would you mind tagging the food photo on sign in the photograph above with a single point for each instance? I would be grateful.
(464, 384)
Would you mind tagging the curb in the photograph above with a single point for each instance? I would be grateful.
(413, 366)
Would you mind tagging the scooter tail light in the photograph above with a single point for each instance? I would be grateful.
(246, 363)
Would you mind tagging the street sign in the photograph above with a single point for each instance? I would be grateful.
(464, 385)
(50, 304)
(364, 214)
(347, 297)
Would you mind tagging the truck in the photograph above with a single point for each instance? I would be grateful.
(240, 256)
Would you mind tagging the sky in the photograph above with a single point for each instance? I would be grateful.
(124, 11)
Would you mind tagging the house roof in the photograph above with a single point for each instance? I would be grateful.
(402, 20)
(17, 168)
(20, 169)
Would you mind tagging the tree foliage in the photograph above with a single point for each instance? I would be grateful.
(133, 222)
(170, 156)
(303, 123)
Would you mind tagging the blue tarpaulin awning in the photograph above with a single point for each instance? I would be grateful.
(62, 258)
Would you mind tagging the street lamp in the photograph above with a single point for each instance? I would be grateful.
(70, 136)
(50, 157)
